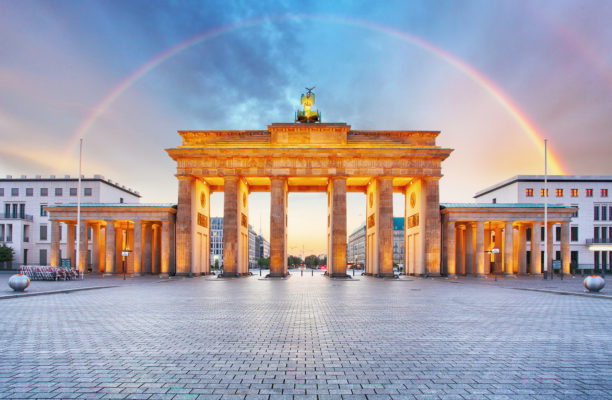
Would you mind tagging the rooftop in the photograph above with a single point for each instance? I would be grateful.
(68, 178)
(540, 178)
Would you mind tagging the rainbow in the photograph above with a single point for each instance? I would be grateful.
(479, 78)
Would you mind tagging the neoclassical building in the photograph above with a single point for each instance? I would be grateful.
(309, 157)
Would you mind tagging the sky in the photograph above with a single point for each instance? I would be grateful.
(494, 77)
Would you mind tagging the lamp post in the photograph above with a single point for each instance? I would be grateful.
(125, 253)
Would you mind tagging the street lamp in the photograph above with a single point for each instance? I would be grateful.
(125, 253)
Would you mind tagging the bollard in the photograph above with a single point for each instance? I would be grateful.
(301, 272)
(311, 272)
(353, 271)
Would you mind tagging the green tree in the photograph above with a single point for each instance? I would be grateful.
(293, 260)
(312, 260)
(6, 254)
(263, 262)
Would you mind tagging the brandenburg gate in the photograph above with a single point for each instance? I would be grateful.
(309, 156)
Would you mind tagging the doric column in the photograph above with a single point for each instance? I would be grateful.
(137, 248)
(536, 248)
(432, 225)
(549, 248)
(278, 226)
(155, 251)
(450, 249)
(385, 227)
(110, 248)
(460, 250)
(480, 249)
(83, 247)
(235, 227)
(70, 238)
(565, 247)
(487, 249)
(522, 250)
(165, 248)
(95, 248)
(184, 225)
(498, 268)
(508, 249)
(337, 229)
(148, 248)
(55, 243)
(469, 248)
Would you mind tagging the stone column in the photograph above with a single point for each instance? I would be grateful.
(460, 235)
(148, 248)
(70, 238)
(432, 226)
(55, 243)
(385, 227)
(231, 227)
(95, 248)
(536, 249)
(549, 248)
(469, 249)
(110, 248)
(480, 249)
(522, 250)
(155, 253)
(508, 249)
(499, 256)
(165, 248)
(487, 249)
(450, 249)
(565, 247)
(83, 247)
(278, 226)
(184, 225)
(137, 248)
(337, 192)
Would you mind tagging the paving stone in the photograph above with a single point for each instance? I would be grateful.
(307, 338)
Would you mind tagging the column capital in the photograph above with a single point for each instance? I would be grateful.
(185, 177)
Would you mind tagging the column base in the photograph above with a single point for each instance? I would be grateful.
(278, 276)
(340, 276)
(480, 276)
(507, 275)
(163, 276)
(236, 275)
(134, 275)
(387, 275)
(108, 274)
(536, 275)
(452, 276)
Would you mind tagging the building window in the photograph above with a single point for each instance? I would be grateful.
(87, 191)
(596, 213)
(610, 213)
(43, 232)
(42, 257)
(604, 213)
(596, 234)
(120, 199)
(604, 192)
(574, 193)
(58, 192)
(557, 233)
(73, 191)
(89, 230)
(494, 201)
(542, 233)
(44, 192)
(29, 192)
(575, 214)
(15, 192)
(559, 192)
(529, 192)
(542, 192)
(589, 192)
(574, 233)
(1, 192)
(596, 259)
(43, 212)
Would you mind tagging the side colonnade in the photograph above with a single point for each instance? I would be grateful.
(146, 231)
(483, 239)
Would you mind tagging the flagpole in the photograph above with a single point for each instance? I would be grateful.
(78, 232)
(548, 267)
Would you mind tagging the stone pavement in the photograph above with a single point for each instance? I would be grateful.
(306, 338)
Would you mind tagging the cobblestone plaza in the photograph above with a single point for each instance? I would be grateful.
(307, 337)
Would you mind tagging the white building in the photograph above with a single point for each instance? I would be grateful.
(24, 224)
(355, 247)
(216, 241)
(591, 228)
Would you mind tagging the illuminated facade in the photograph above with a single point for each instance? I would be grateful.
(310, 157)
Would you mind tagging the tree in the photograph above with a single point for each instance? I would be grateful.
(6, 254)
(312, 261)
(293, 260)
(263, 262)
(323, 261)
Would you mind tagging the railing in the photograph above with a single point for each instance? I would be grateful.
(599, 241)
(17, 216)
